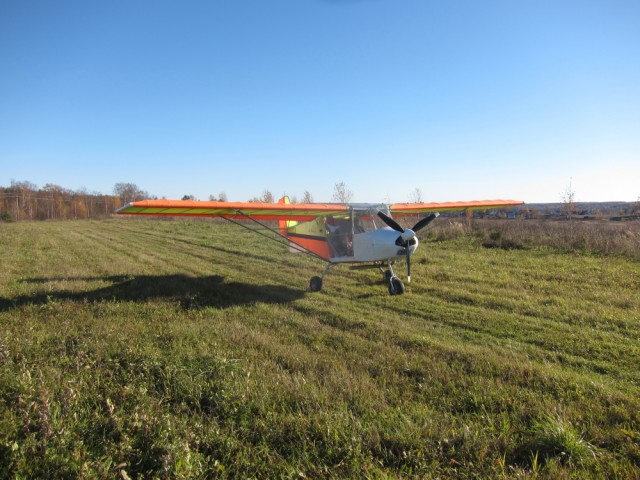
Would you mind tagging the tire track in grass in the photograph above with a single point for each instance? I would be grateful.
(480, 318)
(208, 252)
(544, 338)
(90, 255)
(228, 285)
(154, 253)
(539, 339)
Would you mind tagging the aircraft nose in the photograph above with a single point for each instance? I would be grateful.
(408, 234)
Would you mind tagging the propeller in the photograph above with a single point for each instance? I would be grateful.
(425, 221)
(391, 222)
(408, 234)
(418, 226)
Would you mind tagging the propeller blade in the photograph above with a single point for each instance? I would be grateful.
(391, 222)
(425, 221)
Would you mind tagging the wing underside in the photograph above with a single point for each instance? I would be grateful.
(234, 210)
(309, 236)
(301, 212)
(400, 209)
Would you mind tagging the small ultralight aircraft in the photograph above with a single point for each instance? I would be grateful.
(364, 235)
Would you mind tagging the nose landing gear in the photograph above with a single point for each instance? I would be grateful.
(396, 287)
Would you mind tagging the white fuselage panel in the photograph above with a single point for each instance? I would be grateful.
(375, 246)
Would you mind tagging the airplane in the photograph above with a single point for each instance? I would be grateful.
(365, 235)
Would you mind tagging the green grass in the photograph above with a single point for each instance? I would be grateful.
(173, 349)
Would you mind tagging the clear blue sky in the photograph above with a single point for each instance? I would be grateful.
(462, 99)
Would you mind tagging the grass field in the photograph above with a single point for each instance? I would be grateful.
(135, 348)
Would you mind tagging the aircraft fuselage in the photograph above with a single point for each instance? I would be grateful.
(375, 246)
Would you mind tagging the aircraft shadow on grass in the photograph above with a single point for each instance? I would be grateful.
(188, 292)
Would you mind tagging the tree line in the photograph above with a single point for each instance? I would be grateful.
(26, 201)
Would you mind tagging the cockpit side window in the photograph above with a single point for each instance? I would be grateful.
(340, 235)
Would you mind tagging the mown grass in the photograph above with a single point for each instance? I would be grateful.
(175, 349)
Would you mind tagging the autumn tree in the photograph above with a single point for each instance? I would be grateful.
(26, 201)
(55, 197)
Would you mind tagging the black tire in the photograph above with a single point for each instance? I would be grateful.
(386, 276)
(396, 287)
(315, 285)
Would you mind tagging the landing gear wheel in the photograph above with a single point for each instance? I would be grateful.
(386, 276)
(396, 287)
(315, 285)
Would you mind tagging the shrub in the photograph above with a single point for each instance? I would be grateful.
(556, 438)
(598, 237)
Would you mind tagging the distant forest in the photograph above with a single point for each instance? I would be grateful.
(25, 201)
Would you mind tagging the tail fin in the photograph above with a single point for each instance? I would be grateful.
(284, 225)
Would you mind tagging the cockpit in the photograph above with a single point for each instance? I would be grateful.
(342, 228)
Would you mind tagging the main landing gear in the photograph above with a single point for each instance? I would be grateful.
(315, 285)
(395, 285)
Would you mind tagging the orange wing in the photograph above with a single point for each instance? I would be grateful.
(399, 209)
(300, 212)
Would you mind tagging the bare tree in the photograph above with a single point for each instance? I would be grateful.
(267, 197)
(341, 194)
(307, 197)
(416, 196)
(569, 201)
(129, 192)
(222, 197)
(569, 206)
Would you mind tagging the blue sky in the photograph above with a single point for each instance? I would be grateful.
(461, 99)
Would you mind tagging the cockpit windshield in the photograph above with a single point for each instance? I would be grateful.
(365, 219)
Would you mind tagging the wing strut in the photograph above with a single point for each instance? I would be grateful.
(287, 241)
